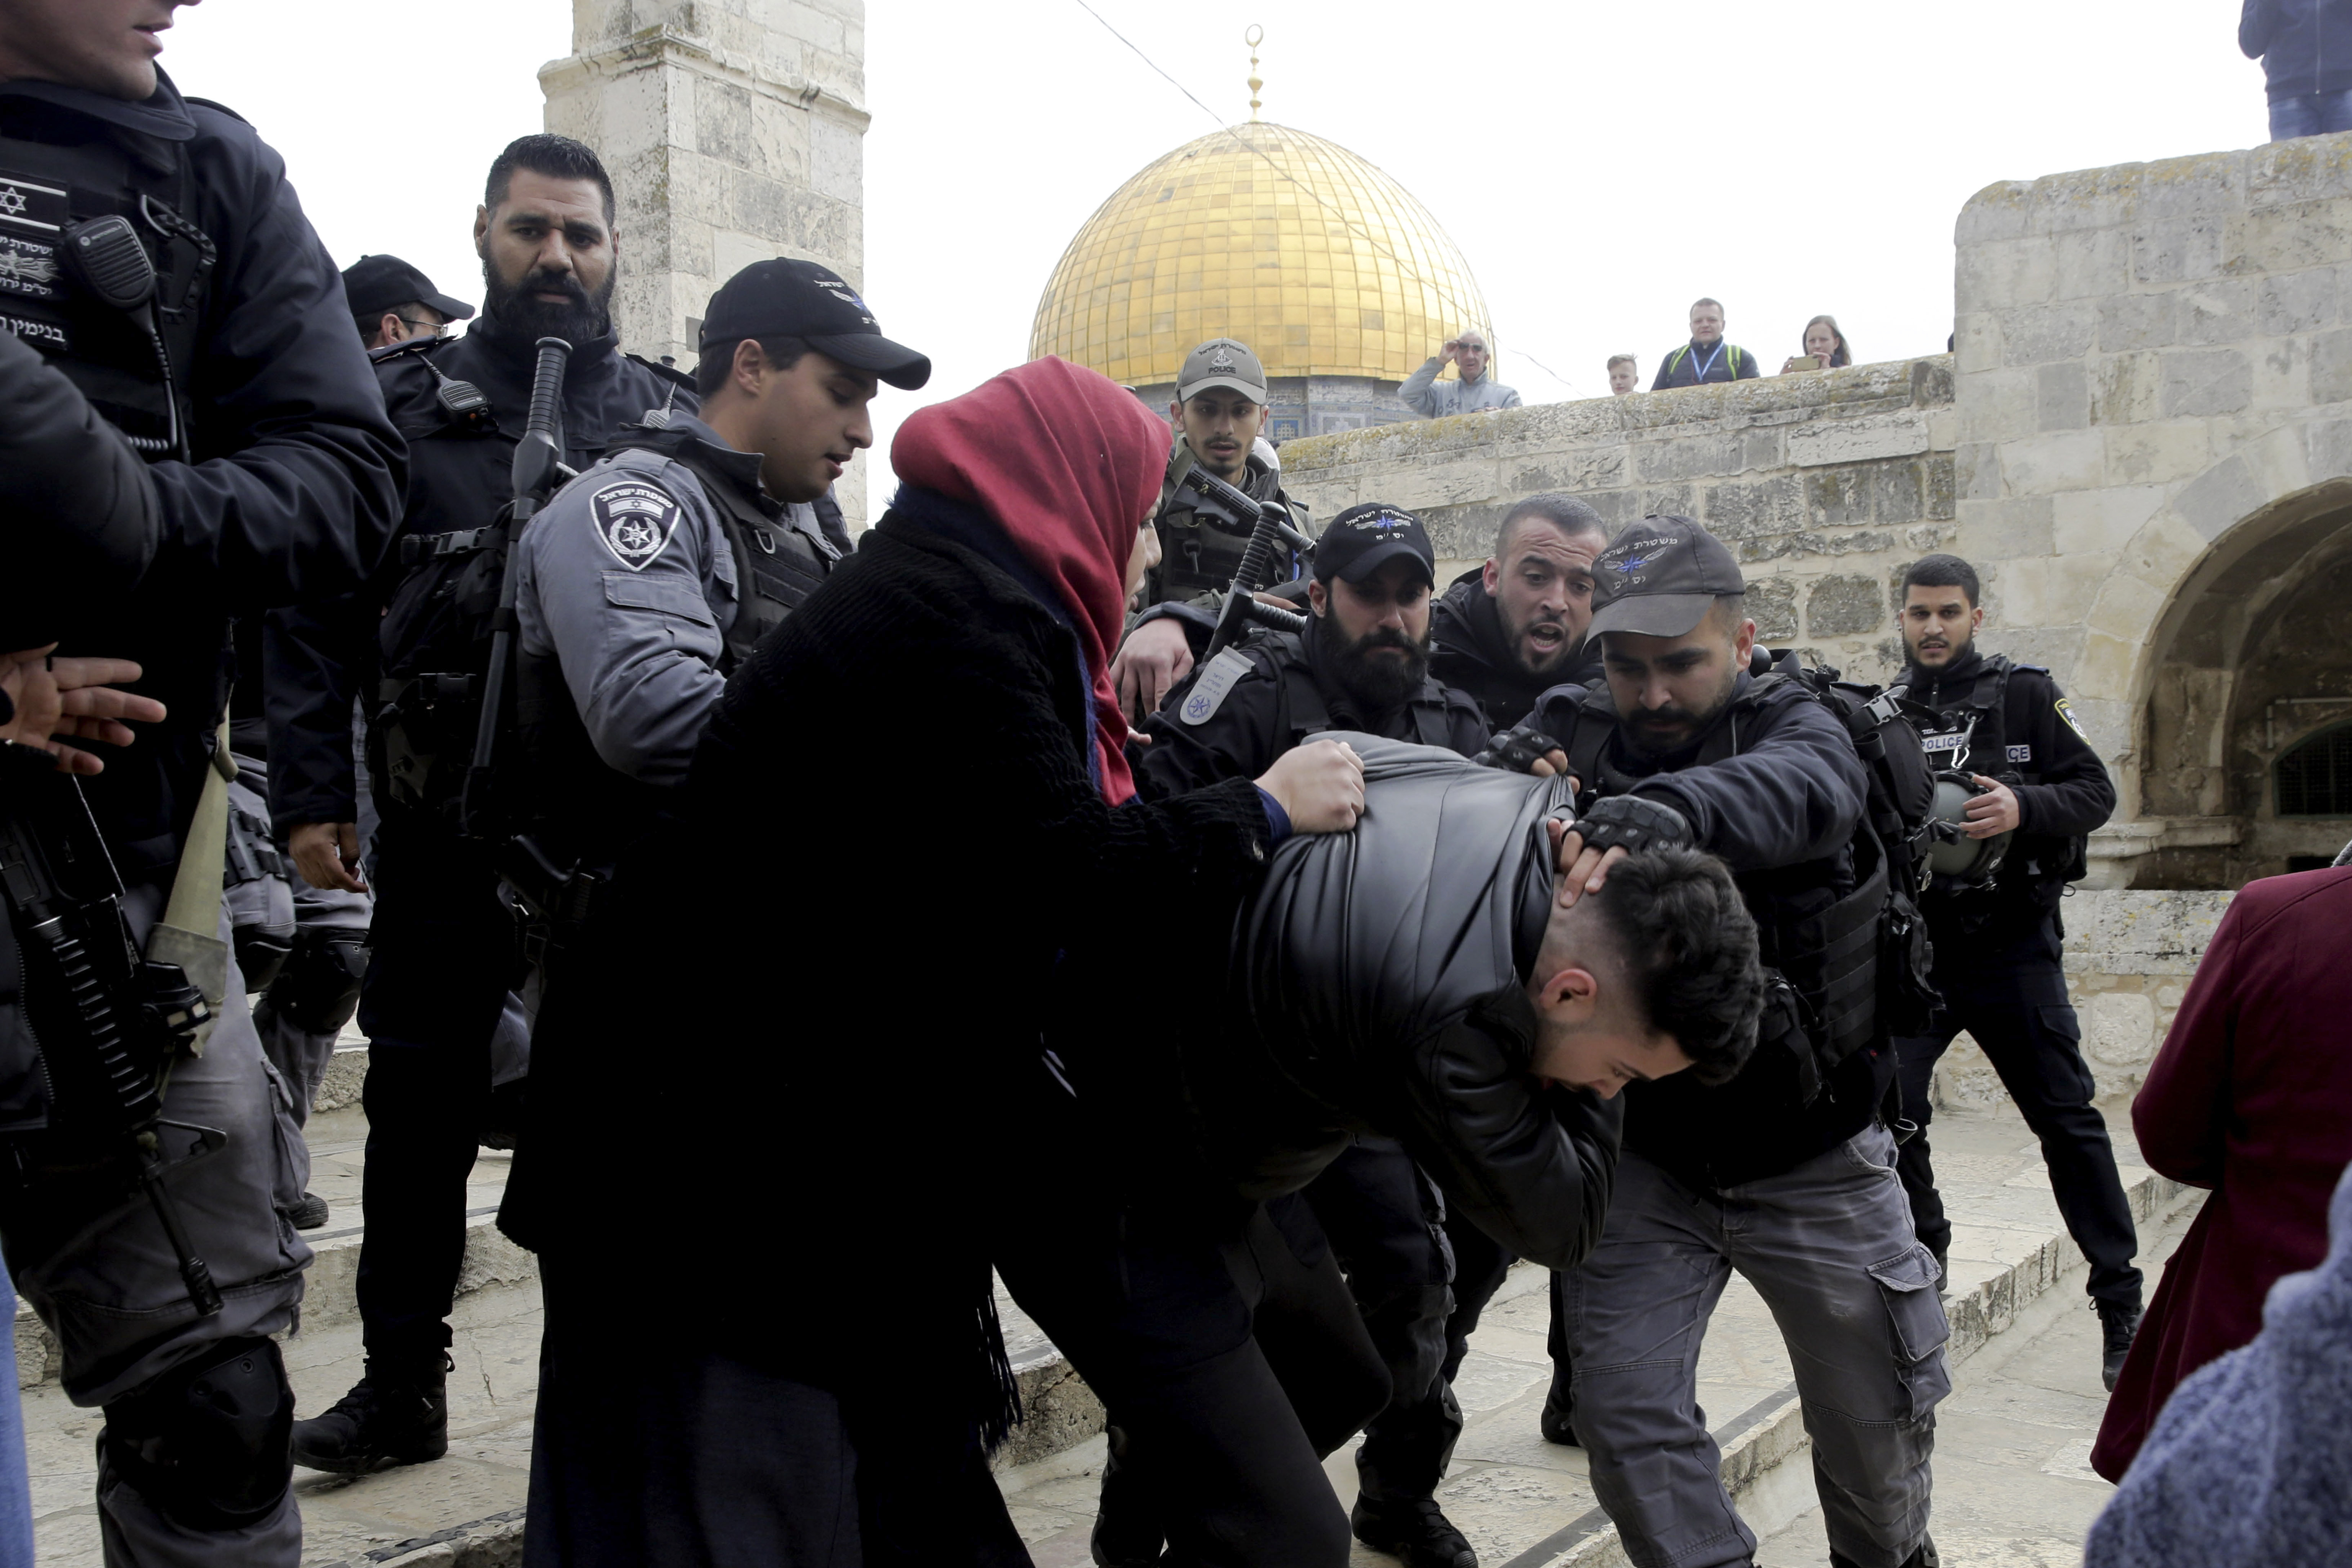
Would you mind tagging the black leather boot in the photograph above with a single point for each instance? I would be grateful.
(1413, 1530)
(2119, 1326)
(1557, 1420)
(398, 1415)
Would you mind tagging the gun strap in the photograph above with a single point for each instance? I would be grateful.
(189, 932)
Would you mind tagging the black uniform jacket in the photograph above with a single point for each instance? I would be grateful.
(1780, 811)
(323, 656)
(1467, 650)
(1380, 981)
(2062, 789)
(298, 471)
(1278, 696)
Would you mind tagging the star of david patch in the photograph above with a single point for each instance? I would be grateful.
(635, 520)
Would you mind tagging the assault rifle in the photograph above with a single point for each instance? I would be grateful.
(537, 472)
(112, 1022)
(1268, 526)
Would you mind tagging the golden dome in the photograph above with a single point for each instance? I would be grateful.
(1311, 255)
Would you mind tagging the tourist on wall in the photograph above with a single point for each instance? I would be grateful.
(2042, 791)
(2246, 1467)
(1625, 374)
(1825, 347)
(1476, 391)
(2251, 1097)
(1706, 357)
(2305, 48)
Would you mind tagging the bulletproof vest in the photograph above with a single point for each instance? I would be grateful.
(1300, 710)
(1198, 557)
(132, 365)
(1820, 924)
(585, 810)
(1971, 736)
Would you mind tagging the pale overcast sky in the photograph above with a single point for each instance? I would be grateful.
(1600, 163)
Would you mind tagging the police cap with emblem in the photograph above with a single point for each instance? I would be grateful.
(1221, 362)
(1364, 539)
(1659, 578)
(786, 299)
(374, 284)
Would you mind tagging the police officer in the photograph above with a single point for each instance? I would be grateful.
(392, 302)
(1997, 931)
(1363, 665)
(437, 990)
(1784, 1172)
(166, 449)
(1219, 415)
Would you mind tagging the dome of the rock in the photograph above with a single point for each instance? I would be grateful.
(1313, 256)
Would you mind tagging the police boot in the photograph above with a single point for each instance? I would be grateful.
(398, 1415)
(1128, 1532)
(1414, 1530)
(1557, 1420)
(1922, 1556)
(309, 1213)
(2119, 1326)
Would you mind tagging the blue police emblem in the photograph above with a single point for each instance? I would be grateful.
(634, 519)
(1633, 563)
(1208, 692)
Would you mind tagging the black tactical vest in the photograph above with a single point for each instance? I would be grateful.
(1198, 557)
(1300, 713)
(1972, 737)
(134, 366)
(1819, 924)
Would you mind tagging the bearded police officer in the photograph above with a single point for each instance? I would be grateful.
(437, 991)
(186, 424)
(1784, 1172)
(2007, 729)
(1219, 415)
(1514, 628)
(1363, 665)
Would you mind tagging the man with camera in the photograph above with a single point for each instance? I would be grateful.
(1219, 416)
(2039, 788)
(1476, 391)
(185, 425)
(446, 956)
(1784, 1172)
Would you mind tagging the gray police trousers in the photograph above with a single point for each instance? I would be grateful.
(107, 1283)
(1829, 1245)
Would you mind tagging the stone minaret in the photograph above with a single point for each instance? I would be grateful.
(734, 131)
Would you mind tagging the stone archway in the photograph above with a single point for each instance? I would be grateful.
(2247, 659)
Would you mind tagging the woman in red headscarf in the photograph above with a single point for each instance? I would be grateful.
(912, 836)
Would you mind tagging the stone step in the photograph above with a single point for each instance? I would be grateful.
(1525, 1503)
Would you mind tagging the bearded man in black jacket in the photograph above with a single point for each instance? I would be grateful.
(1515, 628)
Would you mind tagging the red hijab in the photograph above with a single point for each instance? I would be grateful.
(1067, 463)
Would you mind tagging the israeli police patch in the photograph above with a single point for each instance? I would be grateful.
(634, 519)
(2067, 713)
(2020, 753)
(1208, 693)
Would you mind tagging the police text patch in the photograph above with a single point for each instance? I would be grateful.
(634, 519)
(2020, 753)
(28, 268)
(2067, 713)
(1208, 693)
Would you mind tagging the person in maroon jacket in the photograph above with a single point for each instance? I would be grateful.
(2250, 1095)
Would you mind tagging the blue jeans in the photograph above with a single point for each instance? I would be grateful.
(2312, 114)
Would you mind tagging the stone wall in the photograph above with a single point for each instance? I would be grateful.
(734, 131)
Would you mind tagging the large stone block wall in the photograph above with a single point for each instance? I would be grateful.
(1826, 483)
(734, 131)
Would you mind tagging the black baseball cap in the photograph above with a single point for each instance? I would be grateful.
(374, 284)
(1364, 539)
(1659, 577)
(786, 299)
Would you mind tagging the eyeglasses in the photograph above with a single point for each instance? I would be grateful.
(438, 328)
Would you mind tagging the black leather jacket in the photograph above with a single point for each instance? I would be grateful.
(1381, 977)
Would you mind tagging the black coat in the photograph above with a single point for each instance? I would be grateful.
(1468, 651)
(321, 657)
(1781, 812)
(2305, 46)
(850, 950)
(1379, 985)
(296, 480)
(1281, 700)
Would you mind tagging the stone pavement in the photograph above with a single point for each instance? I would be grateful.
(1523, 1502)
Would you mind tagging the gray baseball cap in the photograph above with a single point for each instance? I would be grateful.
(1221, 361)
(1659, 578)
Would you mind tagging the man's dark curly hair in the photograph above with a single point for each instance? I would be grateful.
(1688, 945)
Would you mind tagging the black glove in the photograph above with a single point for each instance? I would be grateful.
(1516, 749)
(1632, 822)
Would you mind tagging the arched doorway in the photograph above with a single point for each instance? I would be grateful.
(2252, 666)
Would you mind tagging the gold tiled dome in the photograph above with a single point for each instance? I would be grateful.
(1297, 246)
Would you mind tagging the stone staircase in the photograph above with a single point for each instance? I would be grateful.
(1523, 1502)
